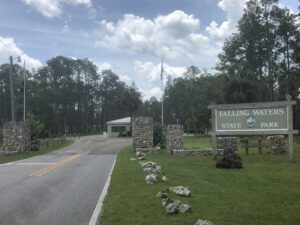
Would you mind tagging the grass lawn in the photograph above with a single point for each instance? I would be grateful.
(43, 150)
(265, 192)
(197, 142)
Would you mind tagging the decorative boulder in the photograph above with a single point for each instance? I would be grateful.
(230, 161)
(172, 208)
(162, 195)
(151, 179)
(203, 222)
(164, 179)
(184, 208)
(180, 190)
(166, 201)
(148, 164)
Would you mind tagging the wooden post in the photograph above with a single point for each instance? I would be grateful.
(290, 133)
(213, 133)
(247, 146)
(259, 146)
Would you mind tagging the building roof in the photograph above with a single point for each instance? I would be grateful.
(126, 120)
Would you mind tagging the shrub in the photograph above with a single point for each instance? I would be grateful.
(159, 138)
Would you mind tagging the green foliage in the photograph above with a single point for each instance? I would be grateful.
(125, 134)
(159, 138)
(239, 91)
(36, 127)
(264, 51)
(69, 96)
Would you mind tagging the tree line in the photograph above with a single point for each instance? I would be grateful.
(259, 63)
(68, 96)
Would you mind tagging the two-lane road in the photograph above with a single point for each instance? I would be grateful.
(59, 188)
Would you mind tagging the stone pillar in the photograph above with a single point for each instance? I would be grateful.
(228, 144)
(276, 144)
(142, 132)
(174, 137)
(16, 137)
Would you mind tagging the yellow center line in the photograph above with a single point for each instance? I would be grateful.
(55, 165)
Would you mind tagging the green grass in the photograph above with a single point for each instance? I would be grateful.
(265, 192)
(43, 150)
(197, 142)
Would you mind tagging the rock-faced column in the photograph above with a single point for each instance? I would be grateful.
(174, 137)
(228, 144)
(16, 137)
(142, 132)
(276, 144)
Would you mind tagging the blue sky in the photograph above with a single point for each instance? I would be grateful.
(128, 36)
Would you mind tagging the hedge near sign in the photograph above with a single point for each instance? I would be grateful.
(265, 118)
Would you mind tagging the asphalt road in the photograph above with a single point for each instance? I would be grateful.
(59, 188)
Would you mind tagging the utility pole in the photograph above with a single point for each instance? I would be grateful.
(24, 92)
(162, 90)
(12, 94)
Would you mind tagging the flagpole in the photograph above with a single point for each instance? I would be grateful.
(162, 90)
(24, 93)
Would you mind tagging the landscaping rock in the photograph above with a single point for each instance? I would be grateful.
(155, 169)
(151, 179)
(166, 201)
(162, 195)
(172, 208)
(164, 179)
(140, 154)
(142, 158)
(148, 164)
(184, 208)
(132, 159)
(231, 161)
(203, 222)
(180, 190)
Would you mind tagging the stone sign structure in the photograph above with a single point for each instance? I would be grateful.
(267, 118)
(16, 137)
(276, 144)
(174, 137)
(142, 132)
(229, 144)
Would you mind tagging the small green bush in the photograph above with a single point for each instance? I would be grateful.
(159, 138)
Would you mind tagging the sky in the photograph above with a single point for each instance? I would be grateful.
(130, 37)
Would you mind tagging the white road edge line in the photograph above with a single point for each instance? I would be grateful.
(99, 205)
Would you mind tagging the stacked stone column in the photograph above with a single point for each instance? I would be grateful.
(16, 137)
(142, 132)
(174, 138)
(228, 144)
(276, 144)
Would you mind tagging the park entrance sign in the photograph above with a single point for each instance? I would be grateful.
(265, 118)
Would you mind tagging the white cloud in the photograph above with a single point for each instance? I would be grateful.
(9, 48)
(125, 78)
(103, 66)
(152, 71)
(66, 28)
(234, 10)
(153, 92)
(172, 36)
(54, 8)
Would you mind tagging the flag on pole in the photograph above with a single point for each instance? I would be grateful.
(162, 70)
